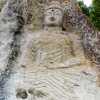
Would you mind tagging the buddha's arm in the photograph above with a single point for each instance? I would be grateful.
(68, 64)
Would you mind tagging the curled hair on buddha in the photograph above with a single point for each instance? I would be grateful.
(54, 4)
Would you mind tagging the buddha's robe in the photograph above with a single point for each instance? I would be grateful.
(53, 67)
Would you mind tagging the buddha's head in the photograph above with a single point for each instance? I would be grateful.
(53, 14)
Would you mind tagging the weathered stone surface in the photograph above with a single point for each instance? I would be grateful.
(49, 63)
(72, 79)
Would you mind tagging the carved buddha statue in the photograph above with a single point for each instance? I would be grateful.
(48, 61)
(51, 46)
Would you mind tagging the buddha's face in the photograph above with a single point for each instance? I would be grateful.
(53, 17)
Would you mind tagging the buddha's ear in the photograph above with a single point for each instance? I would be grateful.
(64, 21)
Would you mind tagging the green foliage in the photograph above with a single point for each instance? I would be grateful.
(93, 12)
(84, 8)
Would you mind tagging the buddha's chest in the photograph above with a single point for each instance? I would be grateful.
(51, 49)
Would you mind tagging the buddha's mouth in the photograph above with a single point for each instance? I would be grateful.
(52, 19)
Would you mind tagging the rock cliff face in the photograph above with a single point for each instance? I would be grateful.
(10, 32)
(44, 63)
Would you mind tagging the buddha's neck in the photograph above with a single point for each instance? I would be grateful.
(53, 29)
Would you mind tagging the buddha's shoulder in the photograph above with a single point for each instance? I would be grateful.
(53, 37)
(50, 35)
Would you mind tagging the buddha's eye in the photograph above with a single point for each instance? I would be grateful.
(58, 12)
(48, 13)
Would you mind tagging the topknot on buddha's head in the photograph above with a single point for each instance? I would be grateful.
(55, 5)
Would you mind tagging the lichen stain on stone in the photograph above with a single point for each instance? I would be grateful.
(21, 93)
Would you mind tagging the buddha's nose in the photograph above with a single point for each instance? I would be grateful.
(52, 18)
